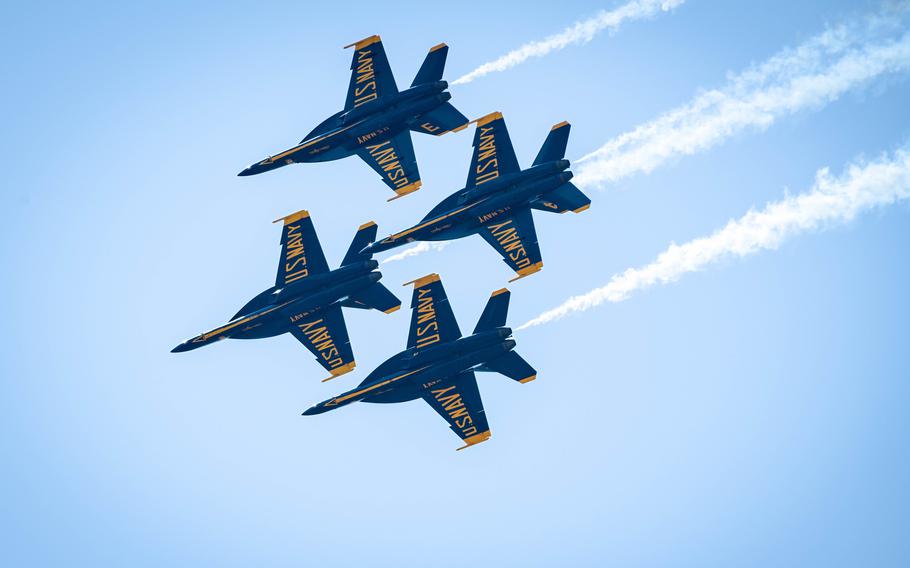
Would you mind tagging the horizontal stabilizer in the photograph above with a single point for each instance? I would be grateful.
(375, 297)
(494, 315)
(365, 235)
(442, 119)
(433, 65)
(554, 147)
(564, 198)
(511, 365)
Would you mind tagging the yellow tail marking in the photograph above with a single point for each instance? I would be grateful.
(487, 118)
(395, 309)
(366, 225)
(528, 379)
(435, 47)
(582, 208)
(423, 280)
(527, 271)
(500, 291)
(560, 125)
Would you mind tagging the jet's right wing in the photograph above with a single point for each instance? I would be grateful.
(515, 239)
(394, 160)
(442, 119)
(371, 76)
(323, 332)
(458, 401)
(432, 320)
(301, 254)
(493, 152)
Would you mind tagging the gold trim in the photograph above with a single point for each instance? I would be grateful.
(488, 118)
(364, 42)
(302, 214)
(338, 371)
(560, 125)
(527, 271)
(402, 191)
(423, 280)
(435, 47)
(366, 225)
(582, 208)
(527, 379)
(475, 439)
(500, 291)
(390, 310)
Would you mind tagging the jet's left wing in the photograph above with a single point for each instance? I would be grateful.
(371, 76)
(432, 320)
(515, 239)
(394, 160)
(323, 332)
(301, 254)
(494, 155)
(458, 401)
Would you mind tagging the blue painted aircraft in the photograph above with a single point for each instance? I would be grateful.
(307, 297)
(376, 121)
(498, 197)
(439, 364)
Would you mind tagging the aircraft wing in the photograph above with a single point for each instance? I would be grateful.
(442, 119)
(432, 320)
(325, 335)
(515, 239)
(458, 401)
(493, 152)
(371, 76)
(394, 160)
(301, 254)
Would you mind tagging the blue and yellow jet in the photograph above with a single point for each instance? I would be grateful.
(498, 197)
(439, 364)
(307, 297)
(376, 121)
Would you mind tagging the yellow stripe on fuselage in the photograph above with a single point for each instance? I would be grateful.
(303, 145)
(376, 386)
(234, 324)
(397, 236)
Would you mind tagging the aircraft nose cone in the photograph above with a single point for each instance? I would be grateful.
(311, 411)
(247, 172)
(181, 348)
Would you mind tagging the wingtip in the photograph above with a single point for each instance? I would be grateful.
(474, 440)
(528, 270)
(582, 208)
(338, 371)
(302, 214)
(406, 190)
(486, 119)
(527, 379)
(423, 280)
(392, 310)
(364, 42)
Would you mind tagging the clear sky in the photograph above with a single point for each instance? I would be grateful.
(751, 414)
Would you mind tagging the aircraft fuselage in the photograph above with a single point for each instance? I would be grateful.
(347, 132)
(482, 205)
(272, 311)
(407, 375)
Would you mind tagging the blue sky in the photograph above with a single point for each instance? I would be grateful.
(751, 414)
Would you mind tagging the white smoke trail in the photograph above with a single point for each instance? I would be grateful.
(809, 76)
(419, 248)
(831, 199)
(580, 32)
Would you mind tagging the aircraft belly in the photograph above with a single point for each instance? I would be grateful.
(260, 330)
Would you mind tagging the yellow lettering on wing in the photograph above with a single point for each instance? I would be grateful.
(385, 155)
(365, 89)
(321, 340)
(508, 238)
(294, 256)
(452, 403)
(487, 167)
(426, 320)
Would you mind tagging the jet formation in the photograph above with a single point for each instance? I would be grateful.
(438, 364)
(377, 119)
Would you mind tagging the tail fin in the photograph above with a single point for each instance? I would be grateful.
(554, 147)
(494, 315)
(366, 234)
(433, 65)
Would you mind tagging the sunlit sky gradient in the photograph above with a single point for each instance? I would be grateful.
(752, 414)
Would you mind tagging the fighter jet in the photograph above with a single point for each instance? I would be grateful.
(439, 364)
(497, 199)
(376, 121)
(307, 297)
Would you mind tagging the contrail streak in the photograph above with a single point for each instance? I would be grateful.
(831, 200)
(580, 32)
(419, 248)
(809, 76)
